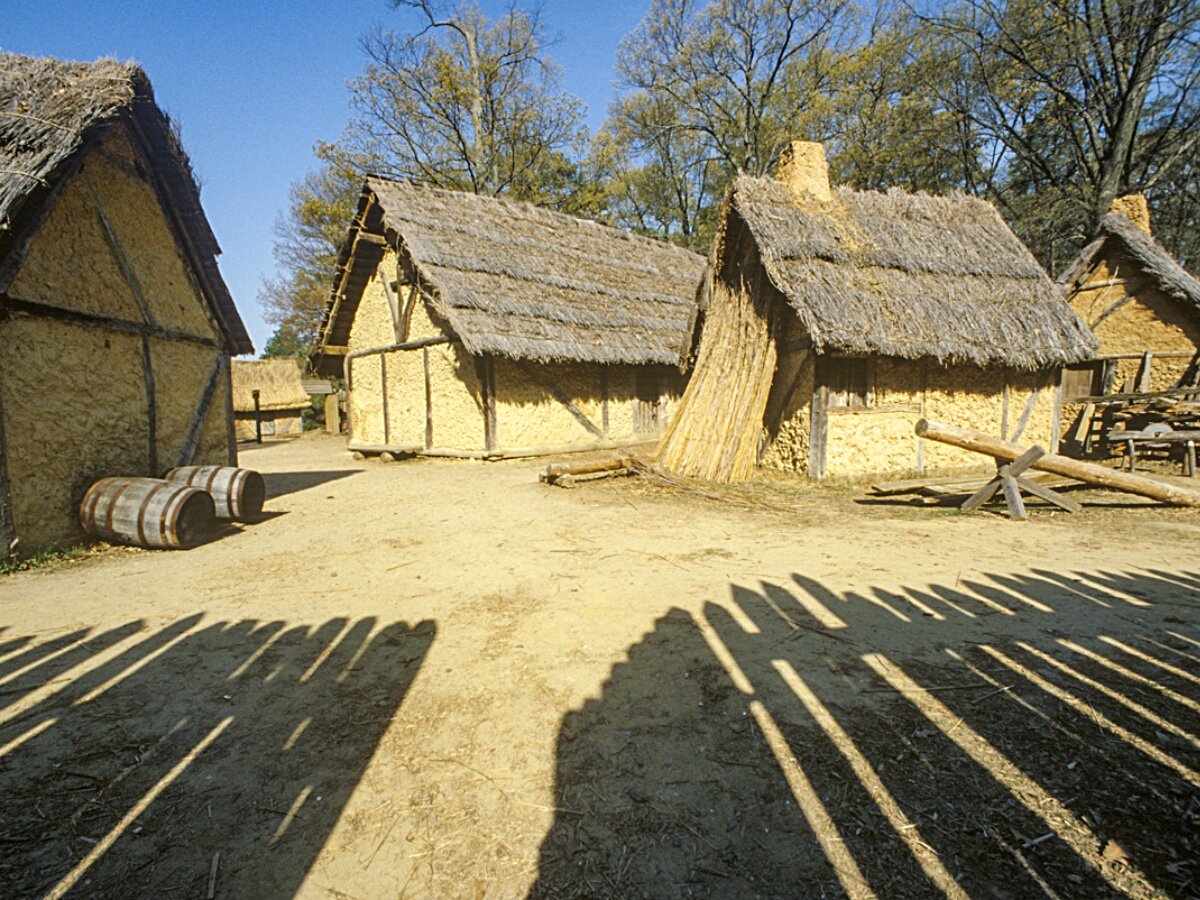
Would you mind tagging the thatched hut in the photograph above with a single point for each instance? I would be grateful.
(117, 327)
(481, 327)
(837, 318)
(1142, 306)
(269, 398)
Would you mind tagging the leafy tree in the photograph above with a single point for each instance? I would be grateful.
(307, 239)
(464, 103)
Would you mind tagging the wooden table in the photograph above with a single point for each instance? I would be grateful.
(1154, 439)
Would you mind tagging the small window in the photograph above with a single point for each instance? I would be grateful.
(850, 380)
(1087, 379)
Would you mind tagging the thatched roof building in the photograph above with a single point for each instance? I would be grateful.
(50, 110)
(1142, 305)
(516, 291)
(837, 299)
(117, 326)
(277, 382)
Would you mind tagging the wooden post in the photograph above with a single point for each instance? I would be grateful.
(486, 369)
(387, 425)
(819, 430)
(151, 409)
(333, 419)
(428, 401)
(1060, 465)
(191, 439)
(604, 399)
(8, 534)
(257, 417)
(230, 415)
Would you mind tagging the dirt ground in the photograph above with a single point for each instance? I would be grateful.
(444, 679)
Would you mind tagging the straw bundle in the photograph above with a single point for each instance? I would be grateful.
(276, 380)
(714, 435)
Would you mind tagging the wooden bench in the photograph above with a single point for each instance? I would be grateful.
(1158, 438)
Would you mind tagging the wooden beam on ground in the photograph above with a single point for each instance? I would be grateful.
(1060, 465)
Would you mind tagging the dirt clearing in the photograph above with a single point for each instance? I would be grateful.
(440, 678)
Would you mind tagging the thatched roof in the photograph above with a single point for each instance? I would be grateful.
(909, 275)
(276, 380)
(513, 279)
(1153, 259)
(51, 111)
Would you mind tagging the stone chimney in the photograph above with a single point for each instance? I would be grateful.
(803, 169)
(1134, 208)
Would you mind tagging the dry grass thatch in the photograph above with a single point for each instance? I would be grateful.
(1155, 262)
(910, 275)
(49, 112)
(276, 380)
(513, 279)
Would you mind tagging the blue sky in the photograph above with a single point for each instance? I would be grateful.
(255, 85)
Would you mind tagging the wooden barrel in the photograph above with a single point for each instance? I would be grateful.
(239, 494)
(148, 512)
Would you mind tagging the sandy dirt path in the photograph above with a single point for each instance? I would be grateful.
(439, 678)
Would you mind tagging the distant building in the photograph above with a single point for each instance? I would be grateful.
(281, 399)
(476, 326)
(117, 327)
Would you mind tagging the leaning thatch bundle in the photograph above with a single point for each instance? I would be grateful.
(896, 274)
(513, 279)
(910, 275)
(276, 380)
(1153, 259)
(50, 110)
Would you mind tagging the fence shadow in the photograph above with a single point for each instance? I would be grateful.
(1004, 736)
(280, 484)
(126, 775)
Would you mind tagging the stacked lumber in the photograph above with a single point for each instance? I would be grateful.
(570, 474)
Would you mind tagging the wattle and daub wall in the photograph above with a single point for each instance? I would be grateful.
(538, 406)
(1130, 315)
(879, 438)
(74, 395)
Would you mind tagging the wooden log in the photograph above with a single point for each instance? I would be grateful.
(586, 467)
(238, 494)
(1060, 465)
(148, 512)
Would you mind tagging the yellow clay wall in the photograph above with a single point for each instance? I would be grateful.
(1150, 320)
(74, 395)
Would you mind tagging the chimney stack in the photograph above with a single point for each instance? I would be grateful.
(803, 169)
(1134, 208)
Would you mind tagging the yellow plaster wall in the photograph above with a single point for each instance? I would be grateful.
(455, 396)
(529, 415)
(1150, 320)
(75, 411)
(71, 264)
(181, 372)
(789, 436)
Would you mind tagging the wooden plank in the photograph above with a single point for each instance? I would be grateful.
(981, 496)
(1012, 496)
(414, 293)
(604, 399)
(1004, 408)
(78, 317)
(1025, 460)
(1056, 413)
(191, 440)
(1026, 413)
(394, 306)
(387, 425)
(819, 430)
(560, 395)
(1040, 490)
(428, 400)
(8, 533)
(118, 252)
(1143, 375)
(230, 416)
(151, 409)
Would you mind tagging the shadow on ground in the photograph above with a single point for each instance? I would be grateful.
(1007, 736)
(126, 774)
(280, 484)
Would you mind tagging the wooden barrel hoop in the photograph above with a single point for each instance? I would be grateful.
(148, 512)
(238, 494)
